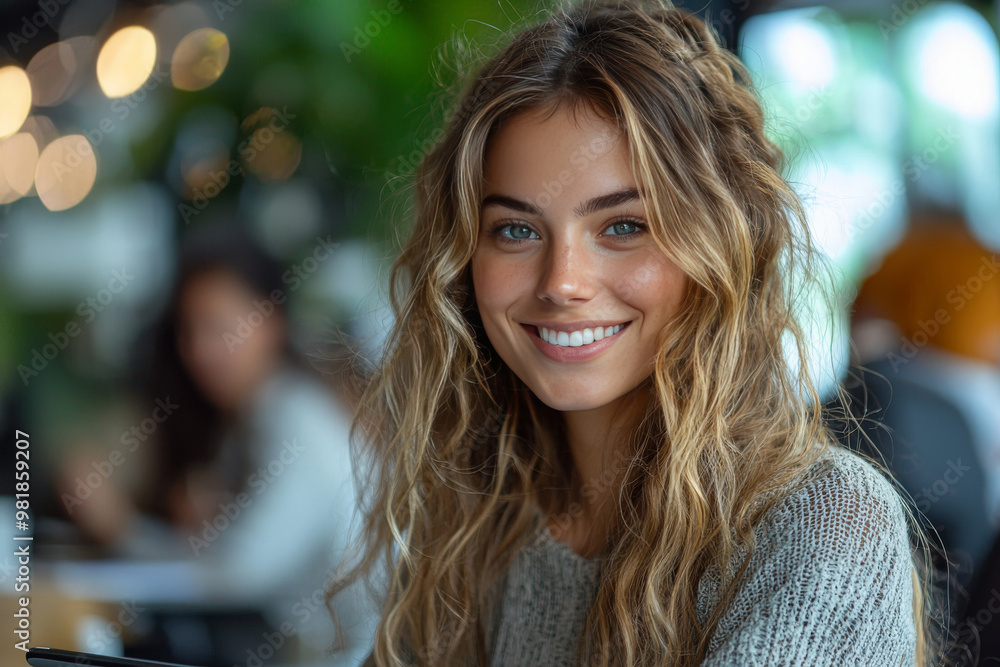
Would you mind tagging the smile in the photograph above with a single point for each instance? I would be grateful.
(577, 346)
(578, 338)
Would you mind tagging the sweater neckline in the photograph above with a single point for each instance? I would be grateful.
(545, 540)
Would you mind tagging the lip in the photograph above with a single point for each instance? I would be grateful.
(578, 325)
(573, 354)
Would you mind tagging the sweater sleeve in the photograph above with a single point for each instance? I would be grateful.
(829, 583)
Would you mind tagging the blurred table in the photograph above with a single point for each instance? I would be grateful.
(154, 610)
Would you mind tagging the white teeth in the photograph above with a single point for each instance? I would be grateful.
(577, 338)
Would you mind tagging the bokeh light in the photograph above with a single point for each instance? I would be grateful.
(171, 23)
(797, 43)
(206, 175)
(42, 129)
(199, 59)
(66, 172)
(278, 157)
(58, 70)
(807, 53)
(126, 61)
(18, 159)
(272, 153)
(15, 91)
(85, 17)
(956, 62)
(7, 192)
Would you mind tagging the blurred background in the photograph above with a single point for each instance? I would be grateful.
(199, 202)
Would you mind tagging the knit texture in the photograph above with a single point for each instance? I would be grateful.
(829, 584)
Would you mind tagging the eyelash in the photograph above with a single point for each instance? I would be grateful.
(498, 228)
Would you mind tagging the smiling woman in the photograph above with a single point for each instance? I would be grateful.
(572, 295)
(580, 264)
(586, 442)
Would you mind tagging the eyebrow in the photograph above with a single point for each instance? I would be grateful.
(610, 200)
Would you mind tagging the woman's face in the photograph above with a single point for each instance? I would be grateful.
(227, 345)
(570, 285)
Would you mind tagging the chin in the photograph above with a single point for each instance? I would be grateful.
(572, 403)
(579, 398)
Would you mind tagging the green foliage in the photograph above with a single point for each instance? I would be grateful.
(360, 76)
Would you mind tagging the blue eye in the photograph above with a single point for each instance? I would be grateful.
(625, 229)
(516, 232)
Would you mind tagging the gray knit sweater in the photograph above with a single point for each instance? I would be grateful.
(829, 584)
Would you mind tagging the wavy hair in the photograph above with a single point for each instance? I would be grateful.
(460, 455)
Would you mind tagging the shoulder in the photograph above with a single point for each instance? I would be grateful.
(843, 521)
(842, 499)
(293, 389)
(297, 421)
(293, 402)
(832, 563)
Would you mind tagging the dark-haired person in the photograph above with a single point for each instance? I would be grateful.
(591, 445)
(250, 470)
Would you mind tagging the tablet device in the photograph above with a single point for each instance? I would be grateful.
(53, 657)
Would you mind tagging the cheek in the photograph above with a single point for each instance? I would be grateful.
(497, 284)
(254, 349)
(650, 281)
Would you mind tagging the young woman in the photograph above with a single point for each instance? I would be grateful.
(587, 442)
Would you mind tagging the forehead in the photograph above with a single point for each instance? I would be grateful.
(207, 289)
(565, 151)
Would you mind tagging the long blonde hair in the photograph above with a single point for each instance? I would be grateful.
(460, 456)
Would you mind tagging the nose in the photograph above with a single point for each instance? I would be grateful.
(567, 275)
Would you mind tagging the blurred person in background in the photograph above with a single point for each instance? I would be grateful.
(927, 329)
(248, 471)
(936, 299)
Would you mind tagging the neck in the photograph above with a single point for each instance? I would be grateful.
(598, 441)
